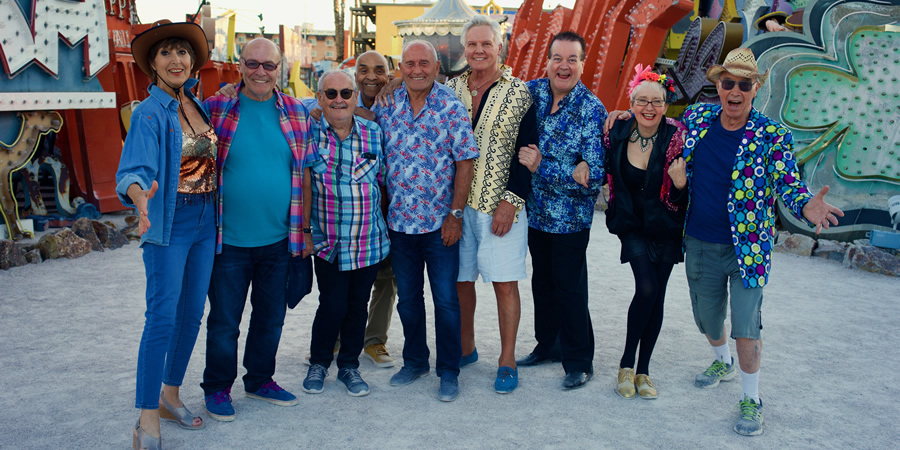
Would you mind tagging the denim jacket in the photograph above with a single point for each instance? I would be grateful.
(764, 169)
(152, 151)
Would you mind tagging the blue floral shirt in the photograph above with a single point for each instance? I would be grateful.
(557, 204)
(421, 154)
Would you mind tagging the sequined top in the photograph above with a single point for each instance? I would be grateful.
(198, 163)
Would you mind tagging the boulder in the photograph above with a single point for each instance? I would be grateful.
(111, 224)
(48, 246)
(34, 257)
(70, 245)
(131, 232)
(781, 235)
(872, 259)
(108, 235)
(84, 228)
(131, 220)
(796, 244)
(11, 255)
(832, 250)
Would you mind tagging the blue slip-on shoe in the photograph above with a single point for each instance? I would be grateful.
(507, 380)
(274, 394)
(407, 375)
(449, 389)
(315, 379)
(218, 406)
(468, 359)
(353, 381)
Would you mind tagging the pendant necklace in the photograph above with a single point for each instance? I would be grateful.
(475, 91)
(646, 142)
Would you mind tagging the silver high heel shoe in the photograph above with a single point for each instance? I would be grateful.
(181, 416)
(142, 440)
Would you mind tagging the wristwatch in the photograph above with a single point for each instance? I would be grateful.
(456, 213)
(307, 230)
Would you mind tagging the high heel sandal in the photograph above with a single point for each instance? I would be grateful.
(181, 416)
(142, 440)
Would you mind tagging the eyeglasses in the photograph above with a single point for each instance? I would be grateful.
(253, 65)
(728, 85)
(333, 93)
(644, 102)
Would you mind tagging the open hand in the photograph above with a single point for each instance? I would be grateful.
(819, 213)
(140, 198)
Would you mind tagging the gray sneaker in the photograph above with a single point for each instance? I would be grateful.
(353, 381)
(717, 372)
(315, 379)
(750, 423)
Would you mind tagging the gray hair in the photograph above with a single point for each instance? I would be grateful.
(481, 20)
(652, 85)
(332, 72)
(420, 41)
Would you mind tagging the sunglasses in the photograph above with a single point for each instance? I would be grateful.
(728, 85)
(333, 93)
(253, 65)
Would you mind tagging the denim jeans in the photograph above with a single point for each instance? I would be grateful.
(235, 270)
(411, 254)
(560, 289)
(343, 296)
(177, 280)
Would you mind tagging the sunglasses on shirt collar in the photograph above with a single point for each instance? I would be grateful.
(332, 94)
(744, 86)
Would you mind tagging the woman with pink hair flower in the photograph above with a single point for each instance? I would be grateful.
(647, 197)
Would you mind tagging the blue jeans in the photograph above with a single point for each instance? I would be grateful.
(234, 271)
(411, 254)
(343, 296)
(177, 280)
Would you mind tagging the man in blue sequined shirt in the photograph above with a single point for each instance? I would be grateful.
(561, 209)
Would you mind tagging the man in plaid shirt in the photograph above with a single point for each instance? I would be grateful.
(263, 147)
(349, 235)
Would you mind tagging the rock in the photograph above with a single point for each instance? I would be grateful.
(84, 228)
(832, 250)
(861, 242)
(781, 235)
(872, 259)
(796, 244)
(131, 220)
(70, 245)
(602, 202)
(34, 257)
(108, 235)
(131, 232)
(48, 246)
(111, 224)
(11, 255)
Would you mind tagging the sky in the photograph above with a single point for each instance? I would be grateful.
(275, 12)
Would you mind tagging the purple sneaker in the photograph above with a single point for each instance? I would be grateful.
(274, 394)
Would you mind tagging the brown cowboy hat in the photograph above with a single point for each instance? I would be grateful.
(164, 29)
(739, 62)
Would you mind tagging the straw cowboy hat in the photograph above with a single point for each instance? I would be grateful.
(739, 62)
(164, 29)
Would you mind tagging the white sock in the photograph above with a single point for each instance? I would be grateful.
(751, 385)
(722, 353)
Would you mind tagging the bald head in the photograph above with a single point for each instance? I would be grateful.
(371, 75)
(259, 83)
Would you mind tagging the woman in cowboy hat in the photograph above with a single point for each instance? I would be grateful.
(167, 172)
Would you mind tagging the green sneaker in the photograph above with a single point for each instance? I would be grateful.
(750, 423)
(717, 372)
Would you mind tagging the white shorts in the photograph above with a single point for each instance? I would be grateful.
(497, 259)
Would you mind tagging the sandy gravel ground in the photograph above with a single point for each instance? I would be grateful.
(69, 333)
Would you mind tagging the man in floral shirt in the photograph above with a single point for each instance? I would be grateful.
(430, 148)
(561, 208)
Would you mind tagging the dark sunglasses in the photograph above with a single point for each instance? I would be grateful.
(253, 65)
(333, 93)
(728, 85)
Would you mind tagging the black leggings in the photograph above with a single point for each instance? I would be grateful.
(645, 315)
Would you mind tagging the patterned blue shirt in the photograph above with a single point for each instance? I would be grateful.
(557, 204)
(421, 153)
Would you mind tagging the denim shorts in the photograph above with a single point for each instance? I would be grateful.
(712, 271)
(497, 259)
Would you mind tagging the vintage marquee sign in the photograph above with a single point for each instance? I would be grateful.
(33, 45)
